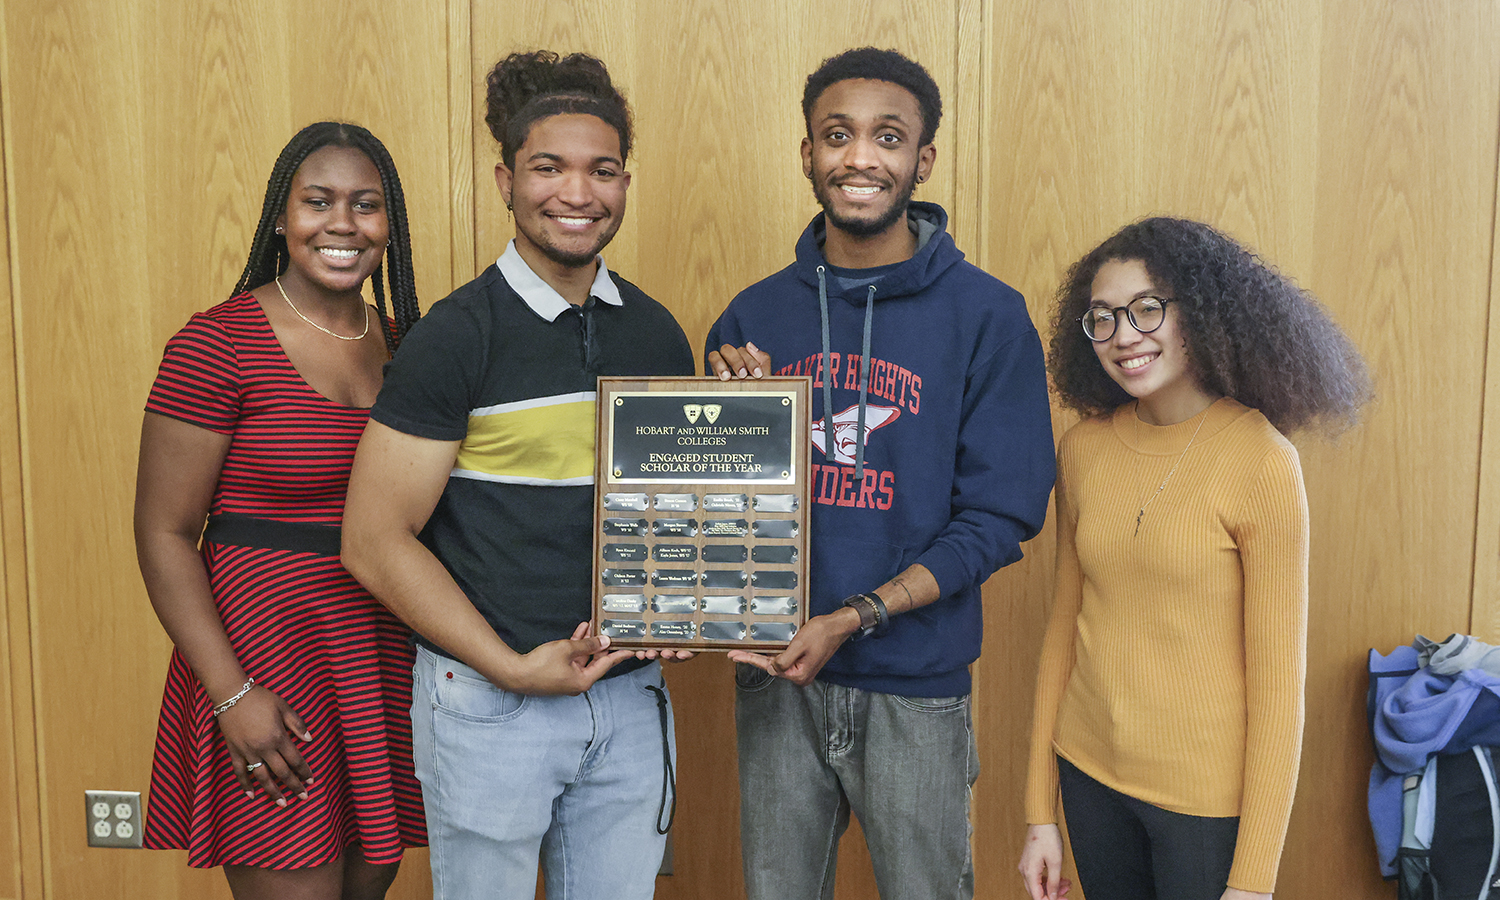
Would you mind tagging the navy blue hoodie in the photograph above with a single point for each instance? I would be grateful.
(953, 437)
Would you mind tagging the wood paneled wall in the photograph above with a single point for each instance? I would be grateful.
(140, 135)
(1354, 142)
(20, 825)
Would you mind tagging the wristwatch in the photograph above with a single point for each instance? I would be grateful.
(873, 618)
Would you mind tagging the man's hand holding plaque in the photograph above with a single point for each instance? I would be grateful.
(822, 636)
(748, 361)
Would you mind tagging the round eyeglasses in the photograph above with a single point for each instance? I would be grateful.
(1145, 314)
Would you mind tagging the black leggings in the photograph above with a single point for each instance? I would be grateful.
(1127, 849)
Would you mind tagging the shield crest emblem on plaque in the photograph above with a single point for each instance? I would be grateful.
(692, 410)
(711, 412)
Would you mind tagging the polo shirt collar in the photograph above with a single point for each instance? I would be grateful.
(539, 295)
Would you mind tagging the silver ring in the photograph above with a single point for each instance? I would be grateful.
(253, 766)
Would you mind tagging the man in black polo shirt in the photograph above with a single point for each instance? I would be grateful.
(470, 515)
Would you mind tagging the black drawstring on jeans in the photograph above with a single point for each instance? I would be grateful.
(668, 780)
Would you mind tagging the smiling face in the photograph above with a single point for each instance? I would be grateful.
(335, 220)
(567, 190)
(863, 156)
(1154, 368)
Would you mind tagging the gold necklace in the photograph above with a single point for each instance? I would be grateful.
(1203, 417)
(357, 337)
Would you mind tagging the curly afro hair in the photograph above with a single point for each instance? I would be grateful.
(877, 65)
(524, 88)
(1251, 333)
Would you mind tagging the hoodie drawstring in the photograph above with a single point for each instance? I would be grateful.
(830, 446)
(864, 389)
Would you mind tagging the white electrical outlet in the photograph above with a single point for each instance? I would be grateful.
(114, 818)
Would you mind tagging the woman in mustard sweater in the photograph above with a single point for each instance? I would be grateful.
(1169, 700)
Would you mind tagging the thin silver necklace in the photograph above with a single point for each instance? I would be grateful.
(342, 337)
(1202, 417)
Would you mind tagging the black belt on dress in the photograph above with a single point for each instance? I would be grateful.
(239, 530)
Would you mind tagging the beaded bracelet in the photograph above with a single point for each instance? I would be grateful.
(249, 683)
(882, 616)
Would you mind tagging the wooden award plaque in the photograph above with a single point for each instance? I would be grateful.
(700, 512)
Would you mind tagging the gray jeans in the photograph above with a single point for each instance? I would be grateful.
(809, 756)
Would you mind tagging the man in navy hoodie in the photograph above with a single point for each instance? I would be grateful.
(932, 463)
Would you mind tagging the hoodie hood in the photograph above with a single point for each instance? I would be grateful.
(936, 253)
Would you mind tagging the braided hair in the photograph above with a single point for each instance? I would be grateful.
(524, 88)
(1251, 333)
(268, 252)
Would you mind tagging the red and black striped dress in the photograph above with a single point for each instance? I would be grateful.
(300, 624)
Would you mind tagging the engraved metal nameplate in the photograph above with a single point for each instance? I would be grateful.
(730, 436)
(624, 527)
(623, 577)
(674, 552)
(676, 579)
(674, 630)
(683, 528)
(627, 502)
(626, 629)
(624, 603)
(676, 502)
(725, 503)
(675, 604)
(735, 528)
(626, 552)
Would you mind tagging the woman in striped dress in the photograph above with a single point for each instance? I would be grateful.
(1169, 700)
(284, 747)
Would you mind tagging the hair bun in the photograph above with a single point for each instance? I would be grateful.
(520, 79)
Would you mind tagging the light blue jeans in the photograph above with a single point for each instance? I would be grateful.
(809, 756)
(509, 778)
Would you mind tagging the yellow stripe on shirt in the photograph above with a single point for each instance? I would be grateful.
(546, 441)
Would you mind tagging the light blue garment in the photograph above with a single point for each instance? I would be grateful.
(509, 778)
(1456, 653)
(1433, 713)
(1424, 817)
(809, 756)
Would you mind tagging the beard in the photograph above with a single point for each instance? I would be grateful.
(900, 199)
(572, 257)
(573, 260)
